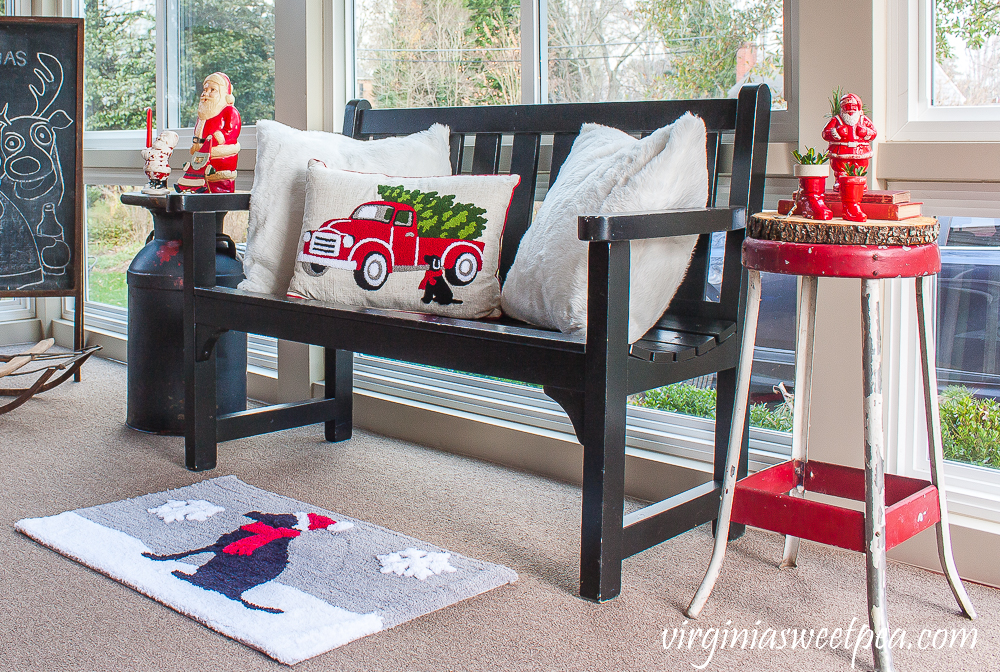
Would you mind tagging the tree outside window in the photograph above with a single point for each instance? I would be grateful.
(966, 53)
(433, 53)
(236, 38)
(119, 64)
(648, 49)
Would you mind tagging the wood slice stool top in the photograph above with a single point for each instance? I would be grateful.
(793, 229)
(836, 248)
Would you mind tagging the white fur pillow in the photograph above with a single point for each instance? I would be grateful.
(609, 171)
(278, 195)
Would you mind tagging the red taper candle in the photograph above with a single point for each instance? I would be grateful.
(149, 127)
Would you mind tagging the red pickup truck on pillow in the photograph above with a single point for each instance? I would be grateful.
(381, 237)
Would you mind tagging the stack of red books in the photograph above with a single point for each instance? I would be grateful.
(891, 205)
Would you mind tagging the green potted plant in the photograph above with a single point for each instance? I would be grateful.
(852, 189)
(812, 170)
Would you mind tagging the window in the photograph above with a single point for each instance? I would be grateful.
(433, 53)
(465, 52)
(469, 52)
(125, 40)
(945, 55)
(968, 350)
(965, 316)
(206, 36)
(16, 309)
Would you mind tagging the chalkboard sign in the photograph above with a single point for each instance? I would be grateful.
(41, 157)
(41, 120)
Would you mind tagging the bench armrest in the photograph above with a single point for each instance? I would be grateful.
(663, 224)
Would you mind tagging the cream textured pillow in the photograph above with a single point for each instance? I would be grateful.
(609, 171)
(279, 186)
(423, 244)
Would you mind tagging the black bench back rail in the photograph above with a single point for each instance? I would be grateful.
(589, 376)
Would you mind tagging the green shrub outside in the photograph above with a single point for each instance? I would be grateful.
(690, 400)
(970, 427)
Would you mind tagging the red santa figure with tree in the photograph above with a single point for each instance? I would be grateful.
(216, 146)
(849, 133)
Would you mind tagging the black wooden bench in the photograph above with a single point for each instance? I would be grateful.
(589, 377)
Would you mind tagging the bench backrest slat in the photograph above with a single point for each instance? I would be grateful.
(486, 155)
(457, 146)
(561, 144)
(712, 150)
(523, 161)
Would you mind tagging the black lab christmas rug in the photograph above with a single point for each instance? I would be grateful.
(281, 576)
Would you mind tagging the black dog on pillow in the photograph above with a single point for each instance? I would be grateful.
(249, 556)
(435, 287)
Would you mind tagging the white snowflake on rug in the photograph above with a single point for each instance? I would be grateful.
(416, 563)
(192, 509)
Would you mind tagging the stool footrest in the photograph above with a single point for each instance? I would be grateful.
(762, 500)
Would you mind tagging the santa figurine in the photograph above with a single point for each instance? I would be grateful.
(157, 157)
(849, 133)
(216, 146)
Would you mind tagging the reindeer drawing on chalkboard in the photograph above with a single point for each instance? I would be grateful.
(33, 247)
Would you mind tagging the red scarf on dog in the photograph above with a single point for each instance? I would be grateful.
(263, 534)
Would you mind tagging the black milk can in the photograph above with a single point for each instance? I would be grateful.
(155, 330)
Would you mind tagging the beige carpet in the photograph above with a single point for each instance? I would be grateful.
(70, 448)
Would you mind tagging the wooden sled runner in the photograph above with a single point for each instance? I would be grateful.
(49, 364)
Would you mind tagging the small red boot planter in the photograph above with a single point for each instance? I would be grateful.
(809, 197)
(852, 188)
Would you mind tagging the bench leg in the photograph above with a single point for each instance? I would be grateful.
(603, 500)
(200, 409)
(927, 360)
(604, 398)
(200, 400)
(739, 421)
(805, 339)
(339, 377)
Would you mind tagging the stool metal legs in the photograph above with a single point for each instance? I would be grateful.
(805, 339)
(924, 312)
(735, 442)
(875, 506)
(871, 357)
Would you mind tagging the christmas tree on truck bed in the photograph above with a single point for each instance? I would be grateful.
(439, 216)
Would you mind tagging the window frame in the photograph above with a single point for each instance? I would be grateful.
(971, 490)
(16, 308)
(909, 114)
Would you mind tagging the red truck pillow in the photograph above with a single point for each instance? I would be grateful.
(423, 244)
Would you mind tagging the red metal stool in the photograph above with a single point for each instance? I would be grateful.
(896, 508)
